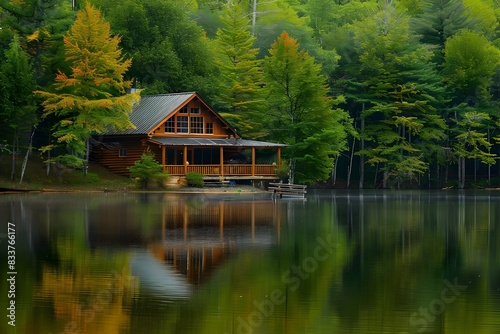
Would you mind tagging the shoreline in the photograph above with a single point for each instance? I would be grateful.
(186, 190)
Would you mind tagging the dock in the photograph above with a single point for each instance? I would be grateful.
(287, 189)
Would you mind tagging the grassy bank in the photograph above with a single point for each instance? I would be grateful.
(98, 178)
(35, 178)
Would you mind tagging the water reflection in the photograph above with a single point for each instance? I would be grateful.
(341, 262)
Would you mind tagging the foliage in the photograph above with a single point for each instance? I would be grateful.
(400, 95)
(404, 68)
(92, 99)
(241, 78)
(282, 170)
(470, 65)
(148, 170)
(169, 50)
(300, 112)
(40, 25)
(17, 83)
(195, 180)
(17, 105)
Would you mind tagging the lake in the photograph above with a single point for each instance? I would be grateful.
(337, 262)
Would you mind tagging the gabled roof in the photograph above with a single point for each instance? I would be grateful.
(154, 109)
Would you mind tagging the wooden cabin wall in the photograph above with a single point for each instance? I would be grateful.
(108, 153)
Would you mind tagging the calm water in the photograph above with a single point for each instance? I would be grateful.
(338, 262)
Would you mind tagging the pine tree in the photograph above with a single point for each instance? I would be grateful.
(301, 113)
(40, 25)
(400, 93)
(241, 77)
(17, 105)
(91, 99)
(439, 21)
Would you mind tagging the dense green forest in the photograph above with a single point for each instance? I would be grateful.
(366, 93)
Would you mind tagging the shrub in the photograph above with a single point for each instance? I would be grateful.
(195, 180)
(282, 171)
(148, 170)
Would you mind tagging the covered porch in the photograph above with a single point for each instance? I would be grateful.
(220, 158)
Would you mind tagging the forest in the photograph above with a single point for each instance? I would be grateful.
(365, 93)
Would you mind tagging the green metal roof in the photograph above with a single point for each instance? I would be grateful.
(151, 110)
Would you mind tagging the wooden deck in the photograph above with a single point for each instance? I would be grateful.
(287, 189)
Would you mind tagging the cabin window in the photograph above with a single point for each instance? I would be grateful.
(182, 124)
(210, 128)
(195, 110)
(196, 124)
(184, 110)
(122, 152)
(170, 125)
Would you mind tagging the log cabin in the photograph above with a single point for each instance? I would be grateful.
(187, 135)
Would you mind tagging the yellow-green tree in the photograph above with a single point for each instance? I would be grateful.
(92, 98)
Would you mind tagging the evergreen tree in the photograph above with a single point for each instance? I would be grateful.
(92, 99)
(471, 141)
(400, 93)
(439, 21)
(300, 112)
(40, 25)
(240, 94)
(17, 105)
(170, 52)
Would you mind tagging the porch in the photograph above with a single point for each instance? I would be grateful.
(220, 158)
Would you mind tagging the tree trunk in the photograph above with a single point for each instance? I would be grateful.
(475, 170)
(362, 156)
(463, 173)
(291, 173)
(87, 152)
(334, 171)
(48, 163)
(384, 181)
(438, 176)
(28, 151)
(489, 166)
(349, 170)
(13, 164)
(254, 16)
(429, 177)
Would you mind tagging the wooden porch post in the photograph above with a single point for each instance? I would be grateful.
(278, 156)
(163, 157)
(253, 161)
(184, 159)
(221, 153)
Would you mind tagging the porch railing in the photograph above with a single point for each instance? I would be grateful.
(228, 170)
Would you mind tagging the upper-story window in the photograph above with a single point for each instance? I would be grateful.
(184, 110)
(182, 124)
(195, 110)
(196, 124)
(170, 125)
(209, 128)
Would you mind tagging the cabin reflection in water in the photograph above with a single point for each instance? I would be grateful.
(199, 232)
